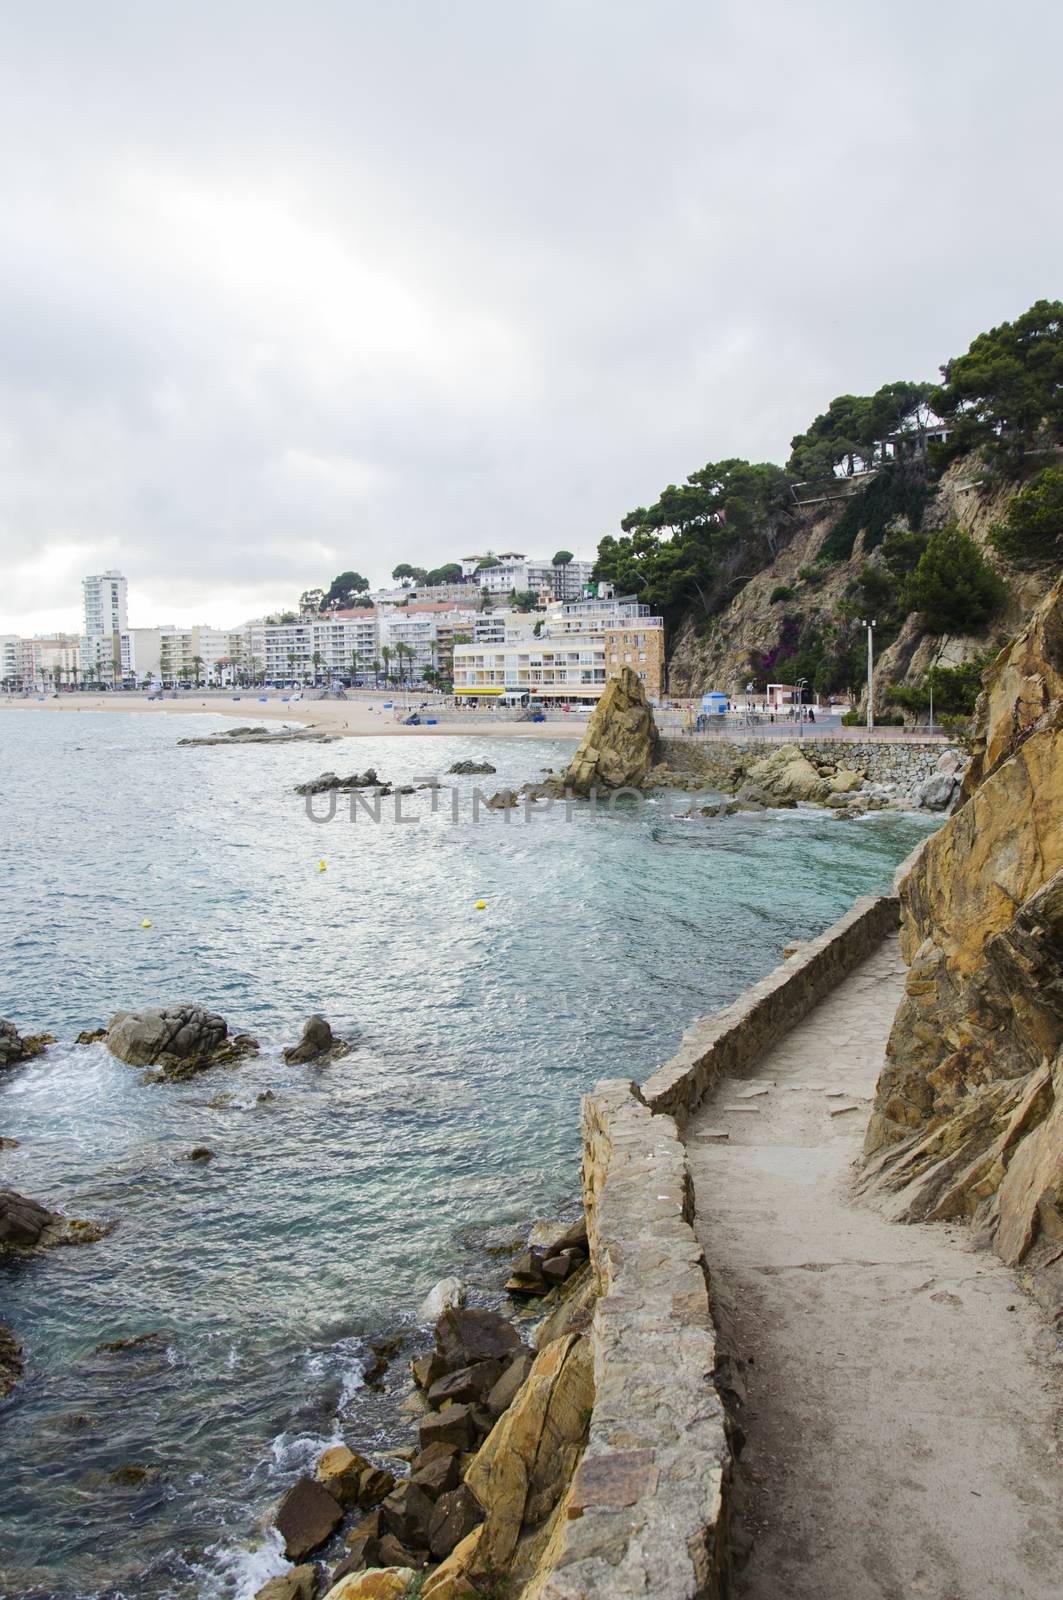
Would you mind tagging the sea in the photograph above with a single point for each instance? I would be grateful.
(487, 968)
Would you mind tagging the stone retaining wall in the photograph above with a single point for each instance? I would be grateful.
(906, 765)
(646, 1513)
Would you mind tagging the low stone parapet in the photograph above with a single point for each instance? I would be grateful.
(727, 1041)
(645, 1513)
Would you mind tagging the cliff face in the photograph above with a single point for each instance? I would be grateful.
(721, 654)
(968, 1116)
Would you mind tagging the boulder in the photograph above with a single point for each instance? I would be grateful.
(455, 1426)
(936, 792)
(16, 1047)
(471, 768)
(438, 1476)
(845, 781)
(505, 1390)
(551, 1238)
(434, 1452)
(526, 1275)
(298, 1584)
(379, 1583)
(556, 1269)
(318, 1042)
(456, 1515)
(26, 1225)
(427, 1368)
(340, 1471)
(306, 1517)
(466, 1336)
(180, 1040)
(466, 1386)
(787, 776)
(447, 1294)
(450, 1579)
(523, 1468)
(407, 1513)
(620, 745)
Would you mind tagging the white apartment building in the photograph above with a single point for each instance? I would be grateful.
(576, 650)
(332, 646)
(48, 662)
(9, 643)
(562, 582)
(106, 644)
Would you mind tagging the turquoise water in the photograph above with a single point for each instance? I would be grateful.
(330, 1209)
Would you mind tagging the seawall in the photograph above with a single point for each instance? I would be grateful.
(716, 761)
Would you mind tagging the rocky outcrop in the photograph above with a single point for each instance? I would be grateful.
(329, 782)
(262, 735)
(16, 1047)
(620, 744)
(177, 1042)
(968, 1115)
(318, 1043)
(26, 1226)
(466, 769)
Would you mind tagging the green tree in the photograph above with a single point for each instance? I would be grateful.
(954, 587)
(449, 572)
(487, 561)
(562, 558)
(344, 590)
(312, 600)
(197, 671)
(406, 574)
(849, 431)
(1032, 530)
(1008, 389)
(315, 661)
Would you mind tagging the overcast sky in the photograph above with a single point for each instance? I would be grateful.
(286, 289)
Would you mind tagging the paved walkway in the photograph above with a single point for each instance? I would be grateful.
(903, 1400)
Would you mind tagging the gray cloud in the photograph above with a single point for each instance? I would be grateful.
(285, 290)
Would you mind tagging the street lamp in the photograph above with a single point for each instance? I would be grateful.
(870, 626)
(801, 685)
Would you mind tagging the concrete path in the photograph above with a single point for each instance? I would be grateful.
(903, 1395)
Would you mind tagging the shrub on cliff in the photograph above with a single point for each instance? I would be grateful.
(1032, 530)
(954, 587)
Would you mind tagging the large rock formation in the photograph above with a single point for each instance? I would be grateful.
(968, 1117)
(179, 1041)
(620, 744)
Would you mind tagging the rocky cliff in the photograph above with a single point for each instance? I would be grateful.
(968, 1115)
(803, 586)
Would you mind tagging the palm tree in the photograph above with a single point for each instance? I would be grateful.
(292, 658)
(386, 652)
(316, 659)
(354, 668)
(116, 672)
(197, 670)
(375, 664)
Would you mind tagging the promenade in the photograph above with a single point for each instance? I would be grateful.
(901, 1405)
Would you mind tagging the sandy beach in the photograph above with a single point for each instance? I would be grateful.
(352, 719)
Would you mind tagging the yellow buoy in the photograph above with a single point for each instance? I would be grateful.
(145, 923)
(321, 866)
(481, 905)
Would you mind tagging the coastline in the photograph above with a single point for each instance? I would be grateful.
(347, 719)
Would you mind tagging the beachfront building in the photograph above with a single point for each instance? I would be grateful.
(9, 677)
(106, 651)
(50, 661)
(568, 655)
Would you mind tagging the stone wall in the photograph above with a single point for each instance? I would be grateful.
(731, 1039)
(885, 761)
(646, 1511)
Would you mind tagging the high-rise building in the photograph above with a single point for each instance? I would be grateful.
(106, 644)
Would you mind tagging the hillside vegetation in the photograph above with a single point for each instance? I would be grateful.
(934, 509)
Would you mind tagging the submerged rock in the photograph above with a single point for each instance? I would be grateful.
(11, 1362)
(471, 768)
(300, 1583)
(180, 1041)
(318, 1041)
(16, 1047)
